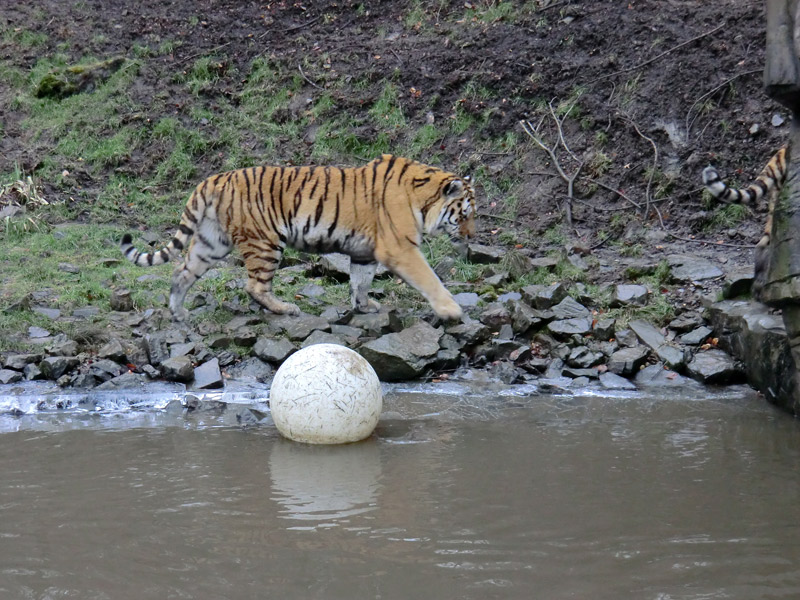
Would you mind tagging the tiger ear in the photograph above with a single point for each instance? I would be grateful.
(453, 188)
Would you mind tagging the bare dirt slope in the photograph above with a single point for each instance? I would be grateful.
(649, 93)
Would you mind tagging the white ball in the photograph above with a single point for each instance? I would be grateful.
(326, 394)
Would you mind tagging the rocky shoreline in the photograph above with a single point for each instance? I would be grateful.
(549, 334)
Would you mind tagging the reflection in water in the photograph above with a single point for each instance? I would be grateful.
(325, 482)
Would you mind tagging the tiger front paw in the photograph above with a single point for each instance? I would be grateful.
(448, 311)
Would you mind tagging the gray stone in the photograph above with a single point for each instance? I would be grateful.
(544, 296)
(32, 371)
(696, 337)
(245, 337)
(300, 327)
(688, 269)
(9, 376)
(337, 315)
(112, 350)
(225, 358)
(583, 358)
(714, 366)
(627, 361)
(50, 313)
(403, 355)
(524, 318)
(106, 369)
(568, 327)
(251, 369)
(272, 350)
(626, 295)
(505, 372)
(208, 376)
(650, 336)
(554, 369)
(311, 290)
(497, 279)
(604, 329)
(347, 332)
(177, 369)
(467, 299)
(377, 323)
(54, 367)
(84, 381)
(470, 332)
(69, 268)
(121, 300)
(150, 371)
(501, 349)
(86, 312)
(184, 349)
(548, 263)
(125, 381)
(155, 344)
(509, 298)
(444, 268)
(18, 362)
(495, 316)
(37, 332)
(612, 381)
(737, 283)
(243, 321)
(322, 337)
(574, 373)
(626, 337)
(686, 322)
(478, 253)
(218, 341)
(658, 376)
(61, 345)
(569, 308)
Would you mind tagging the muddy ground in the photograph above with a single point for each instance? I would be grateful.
(659, 88)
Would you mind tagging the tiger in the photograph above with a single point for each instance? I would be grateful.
(375, 213)
(769, 181)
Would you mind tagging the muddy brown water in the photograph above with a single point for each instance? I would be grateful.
(696, 495)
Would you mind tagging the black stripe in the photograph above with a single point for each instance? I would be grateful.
(177, 244)
(185, 230)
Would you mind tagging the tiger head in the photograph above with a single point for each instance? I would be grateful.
(456, 216)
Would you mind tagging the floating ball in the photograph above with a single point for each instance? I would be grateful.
(326, 394)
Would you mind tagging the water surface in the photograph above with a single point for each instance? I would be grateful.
(456, 496)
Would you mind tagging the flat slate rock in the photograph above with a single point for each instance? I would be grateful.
(650, 336)
(714, 366)
(691, 268)
(570, 308)
(272, 350)
(544, 296)
(251, 369)
(568, 327)
(403, 355)
(208, 376)
(626, 295)
(628, 360)
(612, 381)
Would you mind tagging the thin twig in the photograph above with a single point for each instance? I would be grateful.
(617, 192)
(684, 239)
(191, 56)
(533, 133)
(711, 93)
(299, 68)
(662, 55)
(655, 164)
(306, 24)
